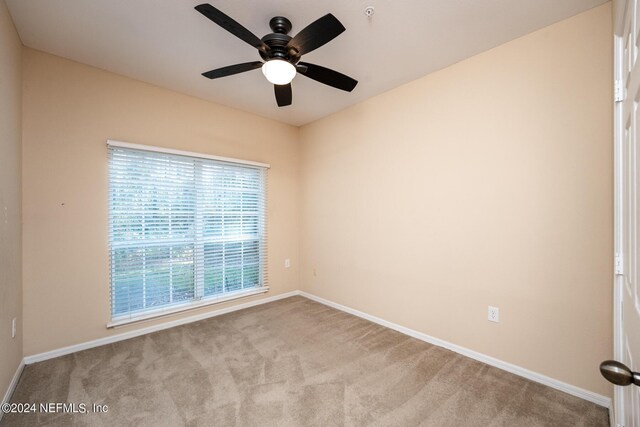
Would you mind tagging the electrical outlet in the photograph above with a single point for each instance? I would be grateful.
(287, 263)
(493, 314)
(13, 328)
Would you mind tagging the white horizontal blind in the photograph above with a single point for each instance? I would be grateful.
(182, 229)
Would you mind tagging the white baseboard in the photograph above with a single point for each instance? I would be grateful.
(143, 331)
(12, 385)
(514, 369)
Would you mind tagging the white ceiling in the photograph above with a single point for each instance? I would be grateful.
(168, 43)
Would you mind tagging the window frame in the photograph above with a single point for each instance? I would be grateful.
(198, 300)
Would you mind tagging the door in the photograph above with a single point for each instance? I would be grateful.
(627, 209)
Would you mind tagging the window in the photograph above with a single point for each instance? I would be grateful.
(185, 230)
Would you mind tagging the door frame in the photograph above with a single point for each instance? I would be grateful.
(617, 406)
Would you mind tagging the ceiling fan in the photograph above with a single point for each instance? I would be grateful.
(281, 53)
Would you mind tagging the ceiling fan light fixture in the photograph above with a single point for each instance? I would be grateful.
(279, 71)
(281, 52)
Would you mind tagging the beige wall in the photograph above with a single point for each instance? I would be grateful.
(486, 183)
(10, 198)
(70, 110)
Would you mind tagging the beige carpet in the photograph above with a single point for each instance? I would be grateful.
(292, 362)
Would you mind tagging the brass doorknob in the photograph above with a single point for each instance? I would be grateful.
(618, 373)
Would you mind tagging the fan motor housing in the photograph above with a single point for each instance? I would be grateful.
(278, 40)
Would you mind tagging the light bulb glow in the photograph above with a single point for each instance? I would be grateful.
(279, 72)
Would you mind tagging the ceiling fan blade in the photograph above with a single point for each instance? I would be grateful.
(230, 25)
(327, 76)
(232, 69)
(283, 94)
(316, 34)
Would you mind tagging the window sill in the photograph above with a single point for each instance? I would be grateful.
(125, 320)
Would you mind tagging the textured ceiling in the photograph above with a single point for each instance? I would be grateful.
(168, 43)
